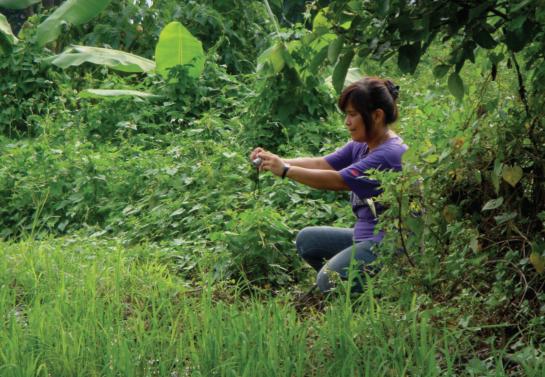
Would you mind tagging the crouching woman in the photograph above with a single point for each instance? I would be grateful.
(370, 108)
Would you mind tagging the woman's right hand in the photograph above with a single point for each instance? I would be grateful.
(255, 152)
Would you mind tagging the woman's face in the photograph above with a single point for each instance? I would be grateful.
(354, 122)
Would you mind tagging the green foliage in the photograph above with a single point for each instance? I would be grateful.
(118, 60)
(71, 12)
(465, 220)
(237, 29)
(30, 92)
(122, 310)
(177, 46)
(17, 4)
(409, 29)
(7, 39)
(101, 93)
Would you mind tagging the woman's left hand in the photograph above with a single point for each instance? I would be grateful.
(272, 163)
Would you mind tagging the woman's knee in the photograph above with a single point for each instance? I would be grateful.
(303, 240)
(323, 279)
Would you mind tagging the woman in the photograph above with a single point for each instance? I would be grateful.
(370, 107)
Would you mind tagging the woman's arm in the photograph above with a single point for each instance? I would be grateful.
(309, 163)
(316, 178)
(304, 162)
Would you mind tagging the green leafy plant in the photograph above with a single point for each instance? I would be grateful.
(72, 12)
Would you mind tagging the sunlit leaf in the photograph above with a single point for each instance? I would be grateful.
(441, 70)
(17, 4)
(512, 174)
(334, 50)
(408, 57)
(177, 46)
(115, 59)
(456, 85)
(340, 71)
(274, 56)
(538, 261)
(493, 204)
(116, 93)
(484, 39)
(74, 12)
(318, 59)
(505, 217)
(6, 34)
(321, 24)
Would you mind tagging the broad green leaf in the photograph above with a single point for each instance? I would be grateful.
(340, 71)
(318, 59)
(408, 57)
(334, 50)
(115, 59)
(177, 46)
(456, 85)
(75, 12)
(493, 204)
(505, 217)
(431, 158)
(496, 174)
(512, 174)
(273, 55)
(17, 4)
(441, 70)
(517, 22)
(518, 33)
(496, 58)
(521, 5)
(5, 31)
(484, 39)
(321, 24)
(287, 56)
(116, 93)
(355, 6)
(538, 261)
(474, 244)
(322, 41)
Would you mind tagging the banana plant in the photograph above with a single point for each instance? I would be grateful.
(176, 46)
(17, 4)
(76, 55)
(7, 38)
(72, 12)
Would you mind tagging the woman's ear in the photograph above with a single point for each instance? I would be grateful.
(379, 117)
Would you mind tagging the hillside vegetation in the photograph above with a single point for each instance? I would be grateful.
(136, 239)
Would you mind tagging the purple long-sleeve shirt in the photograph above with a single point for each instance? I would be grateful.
(352, 161)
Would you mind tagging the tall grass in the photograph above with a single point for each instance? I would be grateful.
(74, 307)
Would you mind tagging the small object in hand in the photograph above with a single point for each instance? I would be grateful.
(257, 162)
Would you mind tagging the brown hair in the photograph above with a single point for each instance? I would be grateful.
(369, 94)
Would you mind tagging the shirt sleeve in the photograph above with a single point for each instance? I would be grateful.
(355, 175)
(342, 157)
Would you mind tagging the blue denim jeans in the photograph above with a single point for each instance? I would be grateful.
(328, 249)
